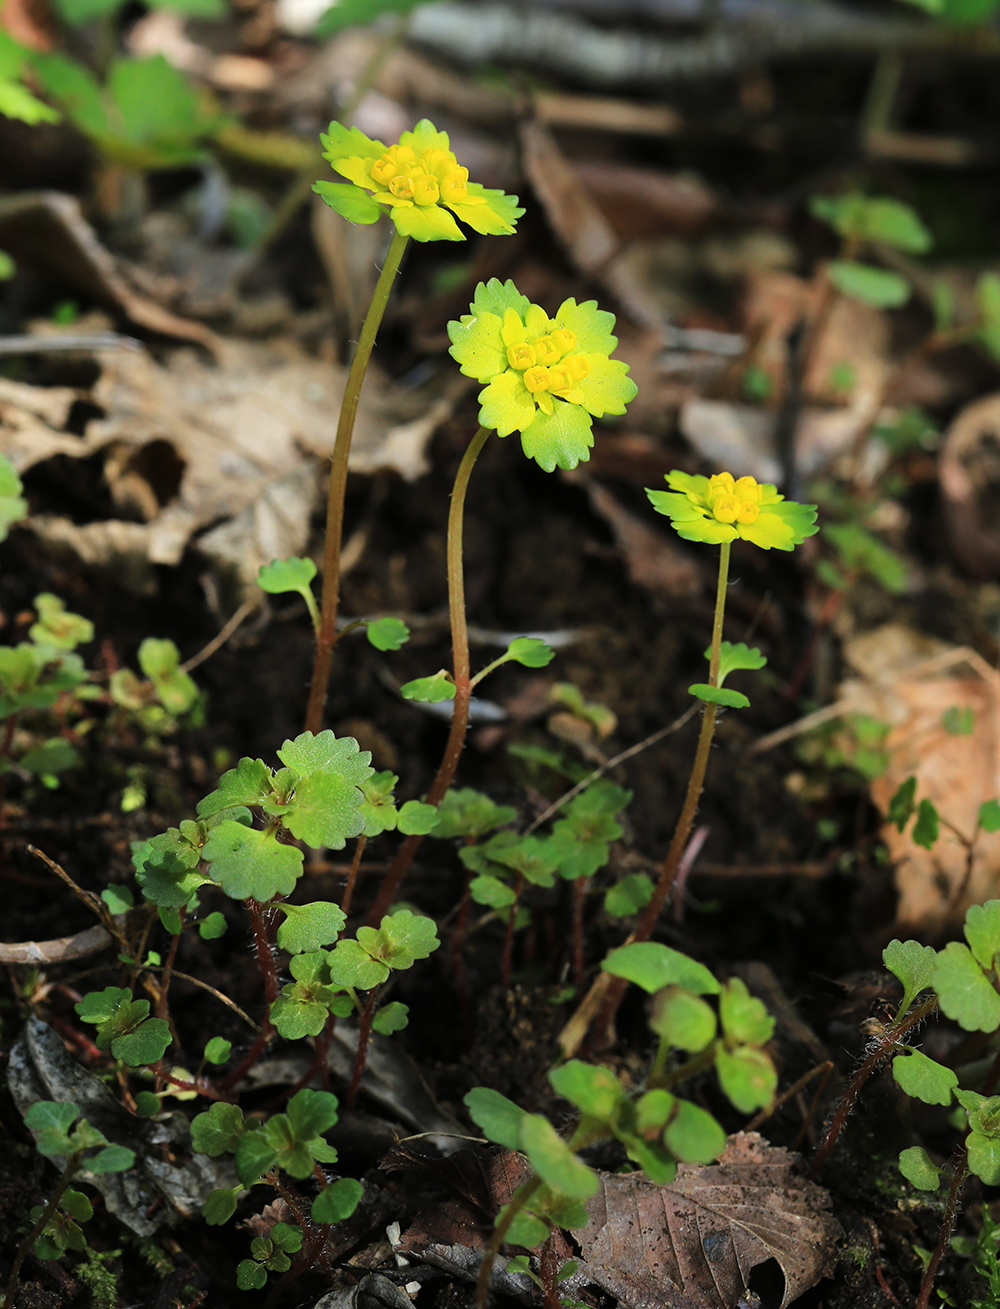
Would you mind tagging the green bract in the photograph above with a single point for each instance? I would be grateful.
(411, 181)
(547, 378)
(721, 508)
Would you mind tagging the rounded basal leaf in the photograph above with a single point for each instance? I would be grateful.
(287, 575)
(247, 784)
(491, 892)
(683, 1020)
(250, 1275)
(147, 1104)
(144, 1045)
(212, 926)
(112, 1159)
(744, 1018)
(217, 1130)
(311, 1113)
(401, 939)
(747, 1076)
(989, 816)
(221, 1205)
(653, 966)
(984, 1158)
(49, 1122)
(982, 931)
(429, 690)
(629, 895)
(76, 1204)
(217, 1050)
(553, 1160)
(309, 754)
(352, 966)
(325, 810)
(530, 651)
(392, 1017)
(337, 1202)
(735, 658)
(255, 1155)
(498, 1118)
(653, 1110)
(877, 287)
(295, 1018)
(963, 991)
(595, 1091)
(309, 926)
(248, 863)
(528, 1231)
(693, 1135)
(927, 827)
(387, 633)
(466, 812)
(416, 818)
(924, 1078)
(915, 1165)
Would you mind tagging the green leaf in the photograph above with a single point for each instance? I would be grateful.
(733, 658)
(352, 966)
(387, 633)
(377, 807)
(309, 926)
(170, 920)
(530, 651)
(287, 575)
(915, 1165)
(417, 819)
(52, 756)
(498, 1118)
(989, 816)
(49, 1122)
(337, 1202)
(595, 1091)
(119, 899)
(160, 661)
(493, 893)
(963, 991)
(349, 201)
(429, 690)
(392, 1017)
(629, 895)
(693, 1135)
(984, 1157)
(913, 964)
(553, 1160)
(870, 218)
(218, 1130)
(923, 1078)
(76, 1204)
(13, 506)
(683, 1020)
(251, 864)
(744, 1018)
(401, 939)
(58, 628)
(255, 1155)
(144, 1045)
(719, 695)
(147, 1104)
(747, 1076)
(250, 1276)
(861, 552)
(653, 966)
(466, 812)
(925, 829)
(212, 926)
(902, 804)
(327, 753)
(982, 931)
(247, 784)
(877, 287)
(117, 1158)
(528, 1231)
(217, 1050)
(221, 1205)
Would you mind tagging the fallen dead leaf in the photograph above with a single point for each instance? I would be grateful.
(694, 1244)
(237, 443)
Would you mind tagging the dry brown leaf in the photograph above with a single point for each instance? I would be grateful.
(653, 561)
(236, 443)
(694, 1245)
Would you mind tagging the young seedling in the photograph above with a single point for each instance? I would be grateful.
(55, 1225)
(718, 511)
(423, 188)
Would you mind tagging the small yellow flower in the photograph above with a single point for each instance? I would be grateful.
(721, 508)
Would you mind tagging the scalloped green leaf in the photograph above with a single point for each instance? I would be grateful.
(336, 1202)
(745, 1019)
(287, 575)
(683, 1020)
(350, 965)
(916, 1166)
(221, 1205)
(982, 931)
(50, 1122)
(250, 864)
(325, 810)
(693, 1135)
(309, 926)
(963, 990)
(392, 1017)
(594, 1090)
(326, 752)
(247, 784)
(913, 964)
(466, 812)
(629, 895)
(416, 818)
(429, 690)
(387, 633)
(733, 658)
(218, 1130)
(349, 201)
(653, 966)
(530, 651)
(924, 1078)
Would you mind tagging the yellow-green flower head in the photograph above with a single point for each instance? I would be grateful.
(721, 508)
(415, 181)
(547, 378)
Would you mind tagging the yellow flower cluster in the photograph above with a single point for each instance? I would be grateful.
(433, 177)
(547, 362)
(732, 501)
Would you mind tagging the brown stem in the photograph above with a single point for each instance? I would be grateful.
(521, 1198)
(161, 1005)
(547, 1273)
(361, 1056)
(326, 637)
(352, 876)
(461, 673)
(43, 1218)
(880, 1048)
(960, 1172)
(263, 947)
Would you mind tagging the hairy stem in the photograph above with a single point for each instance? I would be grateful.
(518, 1202)
(460, 671)
(361, 1056)
(960, 1172)
(43, 1219)
(326, 638)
